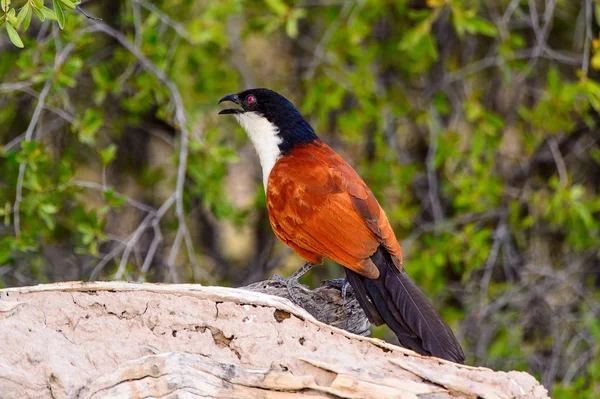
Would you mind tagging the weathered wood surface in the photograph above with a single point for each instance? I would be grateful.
(127, 340)
(324, 303)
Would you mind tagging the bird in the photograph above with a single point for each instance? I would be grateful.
(320, 207)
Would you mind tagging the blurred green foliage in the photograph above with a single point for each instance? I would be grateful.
(474, 122)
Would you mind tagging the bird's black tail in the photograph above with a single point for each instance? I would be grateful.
(395, 300)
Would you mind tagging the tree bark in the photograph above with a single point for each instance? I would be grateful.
(127, 340)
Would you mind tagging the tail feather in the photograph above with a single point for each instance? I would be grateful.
(360, 291)
(394, 298)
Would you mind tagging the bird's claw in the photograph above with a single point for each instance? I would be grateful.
(340, 283)
(290, 283)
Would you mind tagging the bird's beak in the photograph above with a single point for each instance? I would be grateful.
(234, 99)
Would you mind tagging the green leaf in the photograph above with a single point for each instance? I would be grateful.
(68, 4)
(48, 13)
(473, 110)
(14, 36)
(108, 154)
(101, 75)
(467, 21)
(477, 25)
(277, 6)
(60, 15)
(49, 208)
(114, 200)
(87, 128)
(553, 81)
(12, 17)
(40, 14)
(5, 4)
(291, 25)
(33, 182)
(24, 17)
(48, 220)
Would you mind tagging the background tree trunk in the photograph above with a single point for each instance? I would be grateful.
(125, 340)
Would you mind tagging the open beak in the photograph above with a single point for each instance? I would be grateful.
(234, 99)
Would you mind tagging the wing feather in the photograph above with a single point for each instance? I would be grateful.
(321, 207)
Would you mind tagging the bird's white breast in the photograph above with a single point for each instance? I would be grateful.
(264, 136)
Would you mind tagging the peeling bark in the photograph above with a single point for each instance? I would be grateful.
(125, 340)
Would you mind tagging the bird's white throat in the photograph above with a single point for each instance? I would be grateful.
(264, 136)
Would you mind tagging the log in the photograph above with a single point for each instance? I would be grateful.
(128, 340)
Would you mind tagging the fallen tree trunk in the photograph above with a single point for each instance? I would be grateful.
(126, 340)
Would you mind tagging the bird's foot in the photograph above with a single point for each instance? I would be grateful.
(290, 283)
(340, 283)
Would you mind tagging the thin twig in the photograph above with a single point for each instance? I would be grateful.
(176, 26)
(62, 113)
(488, 267)
(135, 237)
(434, 200)
(173, 255)
(124, 243)
(559, 160)
(107, 258)
(137, 23)
(137, 27)
(14, 86)
(50, 127)
(197, 271)
(509, 11)
(88, 16)
(158, 237)
(448, 225)
(131, 243)
(498, 60)
(588, 37)
(100, 187)
(56, 37)
(238, 59)
(540, 34)
(329, 32)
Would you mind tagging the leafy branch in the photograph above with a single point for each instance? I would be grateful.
(15, 22)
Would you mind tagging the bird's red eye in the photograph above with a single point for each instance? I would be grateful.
(250, 99)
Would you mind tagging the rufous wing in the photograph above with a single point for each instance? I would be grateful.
(319, 206)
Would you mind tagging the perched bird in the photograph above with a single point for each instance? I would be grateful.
(321, 208)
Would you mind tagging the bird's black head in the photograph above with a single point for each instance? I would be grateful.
(264, 112)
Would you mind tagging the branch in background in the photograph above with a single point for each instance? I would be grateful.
(541, 36)
(14, 86)
(88, 16)
(237, 52)
(152, 217)
(448, 225)
(433, 188)
(322, 46)
(130, 242)
(500, 237)
(133, 202)
(585, 64)
(173, 254)
(49, 127)
(176, 26)
(560, 162)
(181, 120)
(59, 59)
